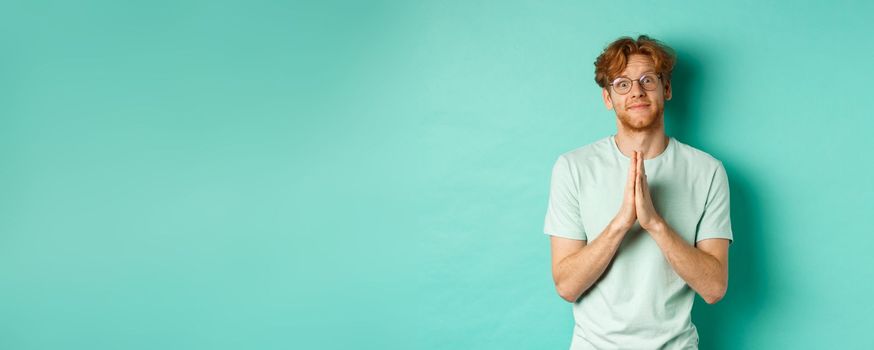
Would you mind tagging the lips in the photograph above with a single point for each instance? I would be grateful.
(638, 105)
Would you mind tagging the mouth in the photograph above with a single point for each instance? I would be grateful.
(638, 106)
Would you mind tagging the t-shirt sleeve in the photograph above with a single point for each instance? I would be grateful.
(563, 210)
(716, 220)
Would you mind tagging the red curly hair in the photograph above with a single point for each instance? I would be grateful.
(613, 60)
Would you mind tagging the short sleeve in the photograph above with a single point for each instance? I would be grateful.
(563, 210)
(716, 220)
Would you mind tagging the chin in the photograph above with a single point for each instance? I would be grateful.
(642, 121)
(639, 122)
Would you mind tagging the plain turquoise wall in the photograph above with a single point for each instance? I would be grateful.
(374, 175)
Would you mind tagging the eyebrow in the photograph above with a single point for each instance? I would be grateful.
(641, 74)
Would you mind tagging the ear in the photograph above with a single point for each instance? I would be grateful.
(607, 100)
(668, 91)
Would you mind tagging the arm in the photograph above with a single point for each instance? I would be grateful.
(576, 266)
(704, 268)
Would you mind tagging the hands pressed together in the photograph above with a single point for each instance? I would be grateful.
(637, 202)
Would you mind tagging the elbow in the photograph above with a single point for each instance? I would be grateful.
(569, 298)
(567, 295)
(713, 298)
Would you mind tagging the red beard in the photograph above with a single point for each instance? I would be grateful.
(639, 122)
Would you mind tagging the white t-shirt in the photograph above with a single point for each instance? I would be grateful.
(640, 302)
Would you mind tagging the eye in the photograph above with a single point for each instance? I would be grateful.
(623, 84)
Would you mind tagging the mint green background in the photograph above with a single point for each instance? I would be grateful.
(333, 175)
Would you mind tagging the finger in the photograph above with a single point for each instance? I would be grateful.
(638, 186)
(640, 164)
(644, 187)
(644, 190)
(631, 173)
(642, 168)
(641, 174)
(634, 189)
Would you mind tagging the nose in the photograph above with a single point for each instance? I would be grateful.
(637, 89)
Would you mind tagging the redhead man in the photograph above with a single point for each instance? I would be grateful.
(638, 221)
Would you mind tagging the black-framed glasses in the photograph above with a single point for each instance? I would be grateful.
(648, 81)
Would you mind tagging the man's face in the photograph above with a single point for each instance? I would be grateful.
(639, 109)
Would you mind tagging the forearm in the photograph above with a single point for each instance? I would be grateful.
(577, 272)
(701, 271)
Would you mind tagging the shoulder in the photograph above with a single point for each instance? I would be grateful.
(583, 155)
(705, 163)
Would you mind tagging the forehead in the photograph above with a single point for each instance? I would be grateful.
(637, 65)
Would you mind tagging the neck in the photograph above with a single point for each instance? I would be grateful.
(651, 142)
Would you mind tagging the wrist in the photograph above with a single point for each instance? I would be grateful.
(618, 227)
(658, 226)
